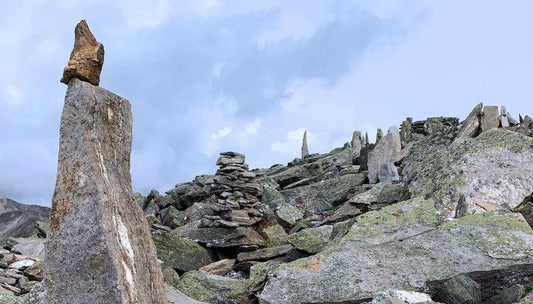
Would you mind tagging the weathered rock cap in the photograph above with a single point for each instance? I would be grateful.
(87, 57)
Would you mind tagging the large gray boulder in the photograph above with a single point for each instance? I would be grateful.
(494, 168)
(386, 151)
(18, 220)
(99, 247)
(402, 246)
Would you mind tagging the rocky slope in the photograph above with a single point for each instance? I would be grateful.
(18, 220)
(436, 211)
(435, 204)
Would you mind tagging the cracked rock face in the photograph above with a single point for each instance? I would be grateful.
(87, 57)
(99, 248)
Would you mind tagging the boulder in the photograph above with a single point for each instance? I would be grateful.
(401, 296)
(219, 267)
(321, 196)
(385, 151)
(403, 247)
(379, 195)
(222, 237)
(264, 253)
(311, 240)
(213, 288)
(180, 253)
(288, 215)
(87, 57)
(470, 126)
(32, 248)
(356, 144)
(508, 295)
(490, 118)
(494, 167)
(275, 235)
(388, 173)
(99, 239)
(459, 290)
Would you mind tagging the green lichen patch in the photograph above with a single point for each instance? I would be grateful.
(179, 252)
(412, 213)
(213, 288)
(311, 240)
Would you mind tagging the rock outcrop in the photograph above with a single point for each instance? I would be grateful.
(385, 151)
(87, 57)
(99, 248)
(18, 220)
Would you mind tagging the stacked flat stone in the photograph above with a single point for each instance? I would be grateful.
(234, 194)
(18, 274)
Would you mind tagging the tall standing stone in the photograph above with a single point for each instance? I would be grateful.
(99, 247)
(490, 118)
(356, 143)
(305, 150)
(385, 151)
(504, 119)
(406, 131)
(379, 136)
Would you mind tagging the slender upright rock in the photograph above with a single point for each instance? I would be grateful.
(305, 150)
(99, 248)
(385, 151)
(356, 143)
(87, 57)
(379, 136)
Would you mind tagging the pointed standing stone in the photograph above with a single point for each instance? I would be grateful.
(504, 119)
(385, 151)
(99, 248)
(366, 139)
(356, 143)
(379, 136)
(87, 57)
(406, 131)
(470, 126)
(305, 150)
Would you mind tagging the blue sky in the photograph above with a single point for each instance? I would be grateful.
(205, 77)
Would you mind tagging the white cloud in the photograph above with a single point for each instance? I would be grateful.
(220, 133)
(12, 95)
(251, 128)
(140, 14)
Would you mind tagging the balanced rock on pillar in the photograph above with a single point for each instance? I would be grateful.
(99, 248)
(87, 57)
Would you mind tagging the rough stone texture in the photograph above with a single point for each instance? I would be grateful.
(311, 240)
(402, 247)
(401, 296)
(87, 57)
(213, 288)
(180, 253)
(470, 126)
(356, 143)
(32, 248)
(388, 173)
(265, 253)
(494, 167)
(319, 197)
(288, 215)
(99, 248)
(490, 118)
(504, 117)
(219, 267)
(385, 151)
(305, 149)
(459, 290)
(18, 220)
(406, 131)
(379, 136)
(508, 295)
(222, 237)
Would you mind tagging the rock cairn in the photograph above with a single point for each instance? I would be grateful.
(234, 194)
(99, 247)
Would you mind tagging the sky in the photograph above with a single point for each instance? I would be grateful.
(205, 77)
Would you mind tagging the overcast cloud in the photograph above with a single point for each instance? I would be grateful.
(209, 76)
